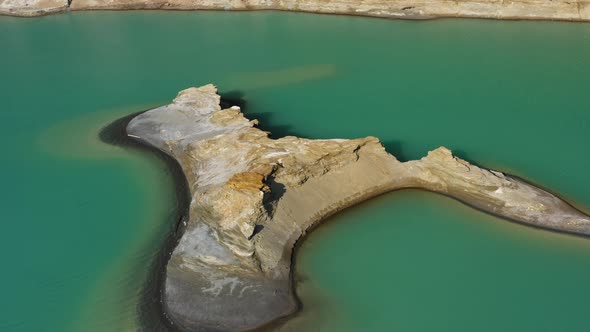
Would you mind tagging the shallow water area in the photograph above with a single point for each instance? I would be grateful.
(83, 221)
(416, 261)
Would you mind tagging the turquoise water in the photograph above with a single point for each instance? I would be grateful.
(386, 267)
(82, 221)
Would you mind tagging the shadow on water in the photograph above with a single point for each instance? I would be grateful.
(265, 119)
(151, 314)
(150, 311)
(233, 98)
(462, 155)
(394, 147)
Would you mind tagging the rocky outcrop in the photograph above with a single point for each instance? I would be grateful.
(254, 197)
(572, 10)
(32, 7)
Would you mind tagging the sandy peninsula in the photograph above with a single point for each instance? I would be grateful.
(253, 197)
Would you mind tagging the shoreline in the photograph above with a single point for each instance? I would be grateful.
(150, 310)
(115, 134)
(554, 11)
(254, 203)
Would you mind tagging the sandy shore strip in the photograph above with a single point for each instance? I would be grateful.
(574, 10)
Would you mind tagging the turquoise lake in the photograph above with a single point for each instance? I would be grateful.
(83, 221)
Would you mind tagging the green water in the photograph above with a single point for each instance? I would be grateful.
(82, 221)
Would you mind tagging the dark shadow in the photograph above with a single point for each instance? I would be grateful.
(233, 98)
(257, 229)
(395, 148)
(150, 309)
(271, 197)
(115, 133)
(277, 189)
(463, 155)
(265, 121)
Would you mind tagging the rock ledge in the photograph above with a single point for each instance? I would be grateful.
(568, 10)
